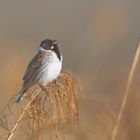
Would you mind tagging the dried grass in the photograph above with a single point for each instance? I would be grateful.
(43, 115)
(126, 93)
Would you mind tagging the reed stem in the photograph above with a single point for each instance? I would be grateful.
(10, 136)
(128, 85)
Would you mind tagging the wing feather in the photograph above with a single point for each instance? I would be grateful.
(33, 67)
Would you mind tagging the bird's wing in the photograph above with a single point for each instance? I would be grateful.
(33, 66)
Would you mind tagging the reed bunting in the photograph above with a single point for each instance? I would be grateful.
(43, 68)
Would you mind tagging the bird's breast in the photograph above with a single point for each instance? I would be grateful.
(50, 71)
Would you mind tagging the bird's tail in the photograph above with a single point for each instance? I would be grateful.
(20, 95)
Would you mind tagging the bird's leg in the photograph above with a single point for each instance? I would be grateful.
(43, 88)
(54, 81)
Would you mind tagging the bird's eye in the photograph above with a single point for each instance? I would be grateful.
(52, 47)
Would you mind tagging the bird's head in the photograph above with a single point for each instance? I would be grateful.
(48, 44)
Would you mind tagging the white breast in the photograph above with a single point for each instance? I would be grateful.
(50, 69)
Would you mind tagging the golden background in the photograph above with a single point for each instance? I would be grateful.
(98, 40)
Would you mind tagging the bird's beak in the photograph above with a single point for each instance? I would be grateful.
(55, 42)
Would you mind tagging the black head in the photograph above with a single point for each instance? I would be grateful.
(49, 44)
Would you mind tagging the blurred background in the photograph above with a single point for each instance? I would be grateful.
(98, 40)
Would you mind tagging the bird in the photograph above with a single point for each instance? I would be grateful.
(43, 68)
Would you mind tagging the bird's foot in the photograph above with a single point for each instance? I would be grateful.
(43, 88)
(55, 81)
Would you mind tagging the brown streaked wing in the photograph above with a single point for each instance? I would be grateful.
(33, 65)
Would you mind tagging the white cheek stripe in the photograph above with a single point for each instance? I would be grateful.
(52, 47)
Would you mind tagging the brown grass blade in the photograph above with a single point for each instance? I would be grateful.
(128, 86)
(22, 114)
